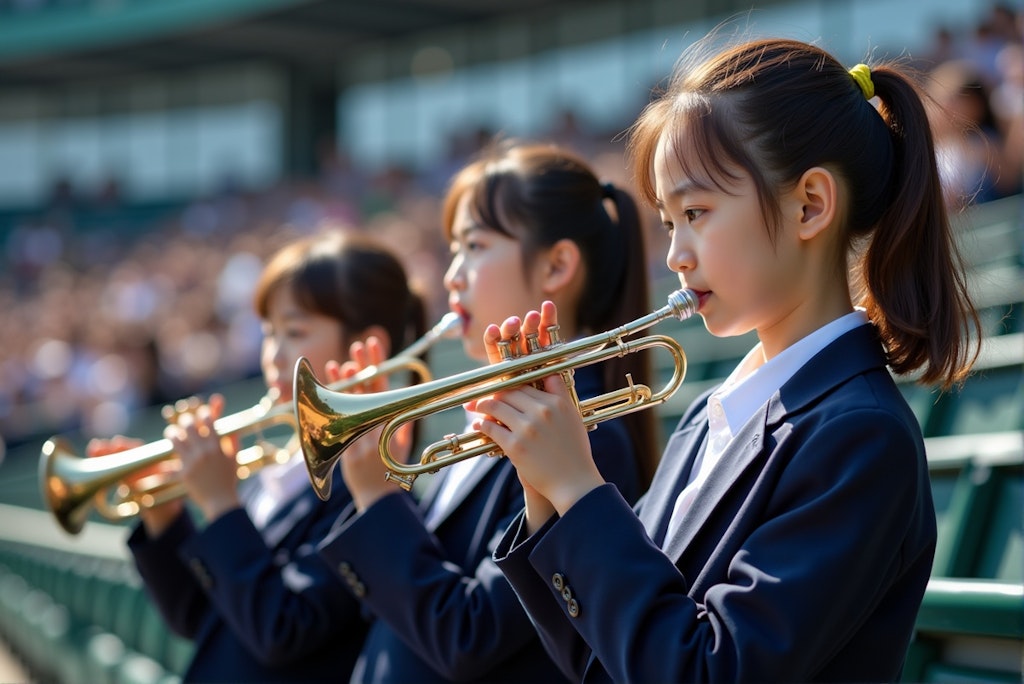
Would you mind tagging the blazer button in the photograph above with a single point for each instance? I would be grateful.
(358, 588)
(345, 570)
(574, 608)
(558, 581)
(567, 593)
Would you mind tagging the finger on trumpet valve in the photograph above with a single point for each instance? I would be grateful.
(533, 342)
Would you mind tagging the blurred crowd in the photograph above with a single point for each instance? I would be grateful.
(99, 323)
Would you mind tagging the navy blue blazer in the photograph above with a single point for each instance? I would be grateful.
(804, 558)
(260, 604)
(444, 612)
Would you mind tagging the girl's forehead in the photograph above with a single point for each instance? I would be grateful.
(676, 165)
(681, 165)
(283, 301)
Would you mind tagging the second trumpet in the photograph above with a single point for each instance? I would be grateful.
(73, 486)
(328, 420)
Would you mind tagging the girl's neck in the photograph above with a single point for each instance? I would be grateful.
(808, 316)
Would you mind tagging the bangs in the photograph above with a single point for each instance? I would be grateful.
(492, 191)
(709, 142)
(699, 135)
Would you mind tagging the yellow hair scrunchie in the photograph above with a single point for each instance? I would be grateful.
(862, 75)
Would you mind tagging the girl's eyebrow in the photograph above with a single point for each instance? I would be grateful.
(681, 188)
(296, 314)
(461, 232)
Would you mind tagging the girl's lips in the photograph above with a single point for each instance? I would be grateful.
(464, 315)
(702, 296)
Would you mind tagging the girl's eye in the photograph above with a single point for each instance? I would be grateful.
(464, 247)
(668, 226)
(692, 214)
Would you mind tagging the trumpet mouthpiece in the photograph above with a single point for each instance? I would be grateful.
(683, 303)
(448, 326)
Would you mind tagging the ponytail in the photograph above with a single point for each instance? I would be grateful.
(631, 302)
(911, 275)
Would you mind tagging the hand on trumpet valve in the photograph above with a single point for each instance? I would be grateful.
(538, 428)
(361, 466)
(208, 467)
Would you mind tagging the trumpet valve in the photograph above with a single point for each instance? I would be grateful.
(173, 413)
(505, 349)
(553, 336)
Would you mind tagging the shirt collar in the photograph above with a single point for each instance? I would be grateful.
(760, 379)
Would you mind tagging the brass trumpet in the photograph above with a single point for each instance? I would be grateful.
(72, 485)
(329, 421)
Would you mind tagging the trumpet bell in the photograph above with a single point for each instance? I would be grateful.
(63, 492)
(330, 420)
(323, 432)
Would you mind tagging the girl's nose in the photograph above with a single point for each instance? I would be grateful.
(680, 257)
(273, 354)
(453, 277)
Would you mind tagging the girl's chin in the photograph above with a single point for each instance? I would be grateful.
(473, 346)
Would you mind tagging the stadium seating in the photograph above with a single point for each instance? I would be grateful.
(74, 615)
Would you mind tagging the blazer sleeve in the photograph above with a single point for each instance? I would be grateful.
(169, 582)
(562, 642)
(460, 620)
(281, 603)
(806, 569)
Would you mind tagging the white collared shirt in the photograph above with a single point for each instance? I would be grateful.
(745, 391)
(279, 484)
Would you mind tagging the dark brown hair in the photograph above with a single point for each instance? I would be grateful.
(348, 277)
(775, 108)
(539, 194)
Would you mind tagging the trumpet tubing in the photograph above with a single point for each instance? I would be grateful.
(72, 486)
(329, 421)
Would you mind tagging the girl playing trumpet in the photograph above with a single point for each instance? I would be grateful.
(788, 534)
(247, 585)
(526, 222)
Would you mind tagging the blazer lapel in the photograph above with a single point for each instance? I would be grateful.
(656, 507)
(852, 353)
(743, 450)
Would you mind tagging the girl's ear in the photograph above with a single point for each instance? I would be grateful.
(816, 198)
(560, 265)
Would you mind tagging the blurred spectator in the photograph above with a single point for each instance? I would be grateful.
(104, 313)
(968, 142)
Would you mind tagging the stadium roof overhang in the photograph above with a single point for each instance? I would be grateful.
(67, 43)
